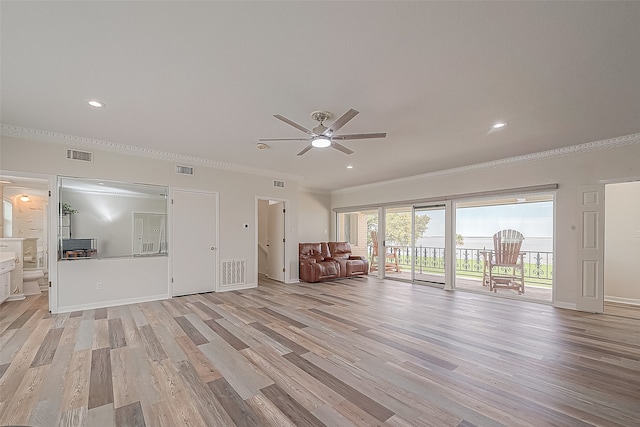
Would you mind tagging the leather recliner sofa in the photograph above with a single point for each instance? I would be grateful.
(326, 261)
(350, 265)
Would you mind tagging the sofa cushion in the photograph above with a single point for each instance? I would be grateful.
(339, 249)
(310, 251)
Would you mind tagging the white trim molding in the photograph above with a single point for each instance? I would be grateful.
(620, 300)
(97, 144)
(558, 152)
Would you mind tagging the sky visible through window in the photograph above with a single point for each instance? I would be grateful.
(478, 224)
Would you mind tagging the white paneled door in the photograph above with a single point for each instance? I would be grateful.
(194, 236)
(276, 241)
(591, 248)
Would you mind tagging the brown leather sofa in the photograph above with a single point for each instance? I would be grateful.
(318, 262)
(313, 265)
(350, 265)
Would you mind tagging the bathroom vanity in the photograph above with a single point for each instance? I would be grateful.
(7, 265)
(15, 246)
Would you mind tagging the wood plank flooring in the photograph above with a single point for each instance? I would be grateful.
(364, 352)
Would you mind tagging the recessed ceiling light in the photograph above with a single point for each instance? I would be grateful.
(349, 166)
(499, 125)
(262, 146)
(96, 104)
(24, 198)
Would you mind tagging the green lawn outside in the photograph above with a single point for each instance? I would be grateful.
(538, 275)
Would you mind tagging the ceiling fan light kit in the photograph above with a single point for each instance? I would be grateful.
(322, 136)
(320, 141)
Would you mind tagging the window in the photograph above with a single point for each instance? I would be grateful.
(7, 218)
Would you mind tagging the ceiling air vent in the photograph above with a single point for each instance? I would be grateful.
(184, 170)
(84, 156)
(278, 184)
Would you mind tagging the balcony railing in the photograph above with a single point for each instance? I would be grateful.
(538, 265)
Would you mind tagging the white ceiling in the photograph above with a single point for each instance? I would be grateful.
(205, 78)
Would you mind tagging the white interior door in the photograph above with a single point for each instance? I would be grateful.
(194, 235)
(276, 241)
(591, 249)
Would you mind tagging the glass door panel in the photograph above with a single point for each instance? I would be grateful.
(477, 221)
(356, 228)
(397, 242)
(429, 244)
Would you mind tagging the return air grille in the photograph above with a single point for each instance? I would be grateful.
(84, 156)
(233, 272)
(184, 170)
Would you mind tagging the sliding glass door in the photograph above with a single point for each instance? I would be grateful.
(429, 243)
(357, 228)
(479, 220)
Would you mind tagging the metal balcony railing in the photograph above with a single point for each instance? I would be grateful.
(538, 265)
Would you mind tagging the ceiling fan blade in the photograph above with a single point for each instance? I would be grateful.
(307, 148)
(359, 136)
(342, 148)
(343, 120)
(283, 139)
(294, 124)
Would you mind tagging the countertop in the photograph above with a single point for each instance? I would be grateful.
(7, 256)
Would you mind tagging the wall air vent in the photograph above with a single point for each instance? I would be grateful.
(233, 272)
(184, 170)
(84, 156)
(278, 184)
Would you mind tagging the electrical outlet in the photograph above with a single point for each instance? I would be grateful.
(99, 286)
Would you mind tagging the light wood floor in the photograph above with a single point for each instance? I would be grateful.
(355, 352)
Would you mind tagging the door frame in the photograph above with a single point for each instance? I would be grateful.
(52, 232)
(449, 253)
(171, 218)
(634, 178)
(287, 238)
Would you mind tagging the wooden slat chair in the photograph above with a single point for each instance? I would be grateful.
(504, 266)
(390, 258)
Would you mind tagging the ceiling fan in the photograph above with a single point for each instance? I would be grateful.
(322, 136)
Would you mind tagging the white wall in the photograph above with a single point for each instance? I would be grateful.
(237, 192)
(122, 281)
(622, 242)
(594, 163)
(315, 217)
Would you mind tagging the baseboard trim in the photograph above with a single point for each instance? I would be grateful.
(113, 303)
(619, 300)
(567, 305)
(237, 287)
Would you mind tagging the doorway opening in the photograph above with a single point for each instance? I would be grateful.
(26, 228)
(271, 239)
(622, 249)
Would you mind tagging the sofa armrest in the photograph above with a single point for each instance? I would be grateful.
(361, 258)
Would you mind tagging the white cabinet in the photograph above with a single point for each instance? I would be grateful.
(15, 245)
(7, 264)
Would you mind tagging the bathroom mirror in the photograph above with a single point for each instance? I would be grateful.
(108, 219)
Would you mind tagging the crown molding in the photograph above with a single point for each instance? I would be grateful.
(557, 152)
(97, 144)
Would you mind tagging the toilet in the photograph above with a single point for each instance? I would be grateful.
(30, 278)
